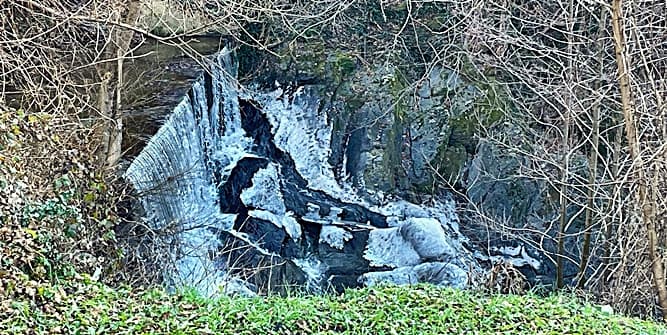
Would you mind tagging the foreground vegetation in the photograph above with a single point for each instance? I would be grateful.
(85, 307)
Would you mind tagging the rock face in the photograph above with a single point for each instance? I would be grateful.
(167, 18)
(240, 184)
(492, 185)
(159, 80)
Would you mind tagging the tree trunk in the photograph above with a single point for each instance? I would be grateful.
(592, 161)
(567, 119)
(110, 92)
(648, 210)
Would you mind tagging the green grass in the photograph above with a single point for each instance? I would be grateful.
(92, 308)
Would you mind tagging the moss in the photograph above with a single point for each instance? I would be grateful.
(436, 16)
(449, 161)
(313, 58)
(391, 159)
(344, 65)
(341, 120)
(353, 103)
(495, 103)
(462, 132)
(162, 18)
(490, 107)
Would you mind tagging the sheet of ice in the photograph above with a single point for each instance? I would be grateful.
(440, 273)
(444, 210)
(386, 247)
(428, 238)
(314, 270)
(516, 256)
(334, 236)
(305, 135)
(404, 209)
(174, 174)
(265, 192)
(431, 272)
(181, 171)
(285, 221)
(401, 276)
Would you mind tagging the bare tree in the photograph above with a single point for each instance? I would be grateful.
(110, 71)
(558, 62)
(643, 112)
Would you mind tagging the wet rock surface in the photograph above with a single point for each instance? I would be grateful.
(156, 77)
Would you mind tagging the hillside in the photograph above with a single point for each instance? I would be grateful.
(264, 146)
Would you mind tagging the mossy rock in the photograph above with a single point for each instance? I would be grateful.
(462, 132)
(343, 65)
(450, 161)
(392, 158)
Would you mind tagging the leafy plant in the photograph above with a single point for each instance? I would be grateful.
(84, 306)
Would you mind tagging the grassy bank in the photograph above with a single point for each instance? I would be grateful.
(90, 308)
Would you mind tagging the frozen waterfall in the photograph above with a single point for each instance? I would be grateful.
(238, 182)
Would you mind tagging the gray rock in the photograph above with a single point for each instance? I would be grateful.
(427, 237)
(446, 274)
(493, 185)
(388, 248)
(400, 276)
